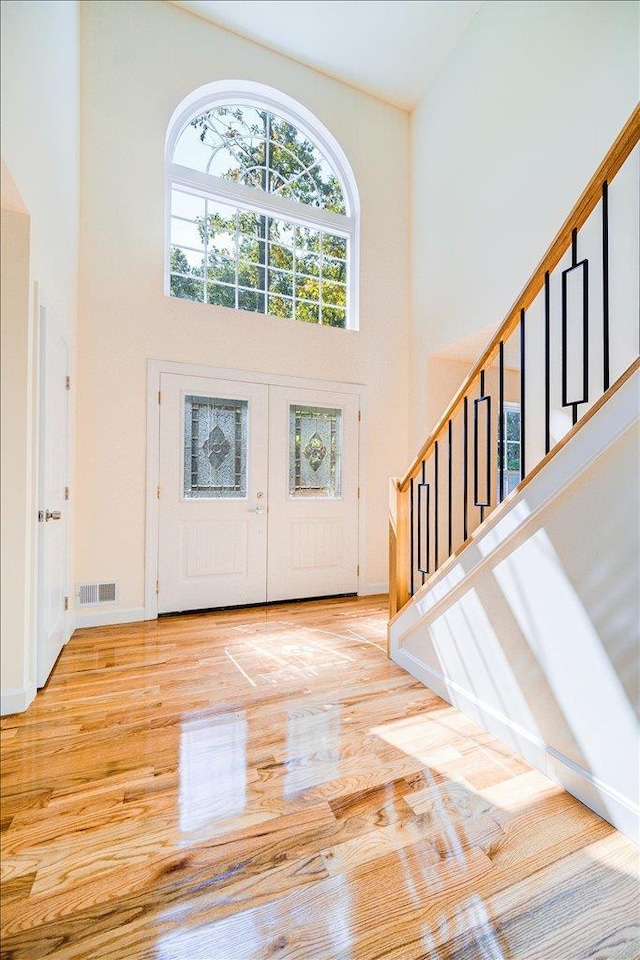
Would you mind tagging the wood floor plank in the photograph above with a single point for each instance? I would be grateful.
(158, 805)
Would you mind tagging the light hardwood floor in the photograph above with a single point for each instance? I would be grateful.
(266, 784)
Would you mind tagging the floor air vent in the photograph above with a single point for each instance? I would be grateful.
(89, 594)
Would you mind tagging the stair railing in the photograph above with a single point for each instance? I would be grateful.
(568, 342)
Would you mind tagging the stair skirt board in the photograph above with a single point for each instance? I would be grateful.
(608, 803)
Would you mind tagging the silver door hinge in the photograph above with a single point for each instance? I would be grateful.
(157, 586)
(358, 493)
(66, 603)
(67, 383)
(359, 415)
(158, 492)
(358, 570)
(159, 396)
(66, 493)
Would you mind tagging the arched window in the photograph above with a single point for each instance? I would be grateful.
(262, 207)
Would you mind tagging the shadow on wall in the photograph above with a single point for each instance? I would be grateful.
(538, 640)
(523, 642)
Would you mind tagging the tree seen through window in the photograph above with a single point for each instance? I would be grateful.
(225, 254)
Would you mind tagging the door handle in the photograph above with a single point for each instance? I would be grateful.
(259, 510)
(53, 515)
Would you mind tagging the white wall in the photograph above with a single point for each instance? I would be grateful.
(533, 630)
(140, 60)
(40, 135)
(503, 143)
(40, 153)
(15, 461)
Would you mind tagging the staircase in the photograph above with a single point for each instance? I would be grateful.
(514, 533)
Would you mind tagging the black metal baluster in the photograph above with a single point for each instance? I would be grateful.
(436, 506)
(465, 470)
(423, 511)
(450, 492)
(574, 263)
(584, 267)
(411, 589)
(605, 284)
(523, 383)
(475, 465)
(423, 568)
(547, 362)
(501, 431)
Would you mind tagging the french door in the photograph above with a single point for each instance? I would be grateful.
(258, 493)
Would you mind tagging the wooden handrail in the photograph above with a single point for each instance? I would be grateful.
(590, 197)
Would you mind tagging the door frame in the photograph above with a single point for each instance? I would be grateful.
(155, 368)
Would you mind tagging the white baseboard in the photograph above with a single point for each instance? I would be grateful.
(17, 700)
(608, 803)
(373, 589)
(604, 800)
(107, 618)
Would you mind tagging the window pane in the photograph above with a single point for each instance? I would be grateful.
(334, 294)
(315, 452)
(513, 424)
(190, 151)
(280, 307)
(222, 244)
(250, 223)
(221, 268)
(215, 448)
(186, 234)
(249, 275)
(186, 205)
(307, 288)
(308, 264)
(308, 239)
(513, 456)
(231, 241)
(307, 312)
(231, 142)
(334, 246)
(334, 269)
(334, 317)
(281, 282)
(224, 296)
(280, 257)
(186, 289)
(251, 300)
(281, 232)
(186, 261)
(251, 249)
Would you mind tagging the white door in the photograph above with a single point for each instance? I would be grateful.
(313, 493)
(53, 631)
(213, 492)
(258, 493)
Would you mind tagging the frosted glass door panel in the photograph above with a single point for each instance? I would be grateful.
(215, 447)
(315, 451)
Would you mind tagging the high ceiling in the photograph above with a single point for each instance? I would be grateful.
(389, 48)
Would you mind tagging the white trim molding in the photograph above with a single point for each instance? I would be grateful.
(107, 618)
(17, 700)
